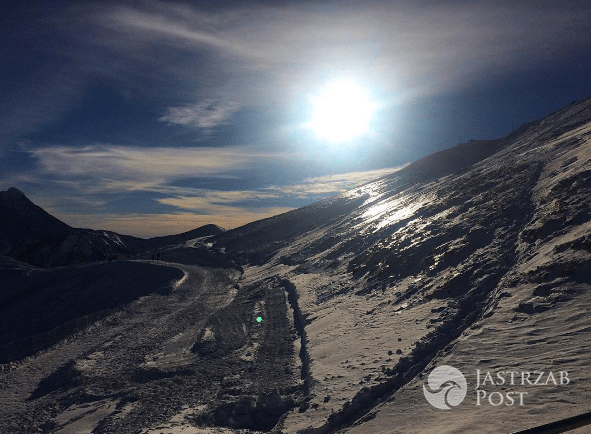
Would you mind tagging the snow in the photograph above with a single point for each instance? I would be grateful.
(555, 340)
(482, 269)
(84, 419)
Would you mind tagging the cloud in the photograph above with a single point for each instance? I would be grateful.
(220, 202)
(205, 114)
(103, 169)
(111, 168)
(249, 205)
(256, 55)
(92, 176)
(227, 209)
(217, 202)
(331, 185)
(187, 57)
(405, 46)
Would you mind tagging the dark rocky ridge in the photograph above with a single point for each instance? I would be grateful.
(31, 235)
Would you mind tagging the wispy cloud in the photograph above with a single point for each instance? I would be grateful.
(259, 55)
(118, 168)
(232, 203)
(205, 114)
(405, 46)
(102, 169)
(330, 185)
(90, 176)
(218, 202)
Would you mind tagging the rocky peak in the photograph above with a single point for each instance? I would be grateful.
(13, 197)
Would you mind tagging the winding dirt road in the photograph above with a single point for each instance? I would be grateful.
(194, 356)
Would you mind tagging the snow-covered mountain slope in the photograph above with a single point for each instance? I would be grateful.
(485, 268)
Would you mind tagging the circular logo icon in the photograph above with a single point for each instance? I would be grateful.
(447, 387)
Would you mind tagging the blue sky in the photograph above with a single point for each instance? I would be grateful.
(151, 118)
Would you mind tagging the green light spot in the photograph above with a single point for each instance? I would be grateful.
(259, 319)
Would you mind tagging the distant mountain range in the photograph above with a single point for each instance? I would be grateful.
(31, 235)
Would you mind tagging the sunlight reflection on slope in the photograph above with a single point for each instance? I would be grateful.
(374, 190)
(401, 214)
(393, 210)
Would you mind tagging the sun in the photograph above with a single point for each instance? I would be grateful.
(342, 111)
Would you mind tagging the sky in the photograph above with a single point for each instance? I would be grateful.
(151, 118)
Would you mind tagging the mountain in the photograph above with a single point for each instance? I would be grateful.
(24, 222)
(460, 258)
(31, 235)
(475, 258)
(155, 243)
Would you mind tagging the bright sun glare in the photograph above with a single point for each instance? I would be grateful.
(341, 112)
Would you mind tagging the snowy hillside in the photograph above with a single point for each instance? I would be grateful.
(486, 268)
(476, 258)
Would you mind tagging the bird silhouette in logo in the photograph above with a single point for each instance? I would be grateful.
(447, 387)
